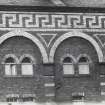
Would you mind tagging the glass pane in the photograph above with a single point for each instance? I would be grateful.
(27, 69)
(68, 69)
(7, 70)
(13, 69)
(83, 69)
(10, 69)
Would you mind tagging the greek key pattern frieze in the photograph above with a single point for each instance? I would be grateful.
(52, 21)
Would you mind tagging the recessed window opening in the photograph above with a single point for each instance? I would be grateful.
(83, 60)
(27, 66)
(12, 99)
(26, 99)
(10, 66)
(26, 60)
(68, 67)
(77, 97)
(83, 65)
(67, 60)
(9, 60)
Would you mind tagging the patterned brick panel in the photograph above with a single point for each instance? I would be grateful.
(52, 21)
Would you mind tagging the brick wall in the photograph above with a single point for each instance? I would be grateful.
(68, 85)
(48, 82)
(19, 84)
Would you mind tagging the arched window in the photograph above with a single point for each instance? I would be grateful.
(68, 67)
(10, 66)
(27, 66)
(83, 65)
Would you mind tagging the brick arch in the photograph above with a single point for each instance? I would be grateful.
(29, 36)
(70, 56)
(10, 55)
(75, 34)
(84, 55)
(27, 55)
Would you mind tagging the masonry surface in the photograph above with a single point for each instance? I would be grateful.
(48, 38)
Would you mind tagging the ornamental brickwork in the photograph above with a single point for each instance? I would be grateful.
(47, 38)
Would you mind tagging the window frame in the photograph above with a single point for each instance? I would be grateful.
(68, 63)
(11, 69)
(12, 99)
(78, 97)
(22, 64)
(30, 63)
(12, 72)
(87, 63)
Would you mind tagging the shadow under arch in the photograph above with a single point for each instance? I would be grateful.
(29, 36)
(10, 56)
(75, 34)
(29, 56)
